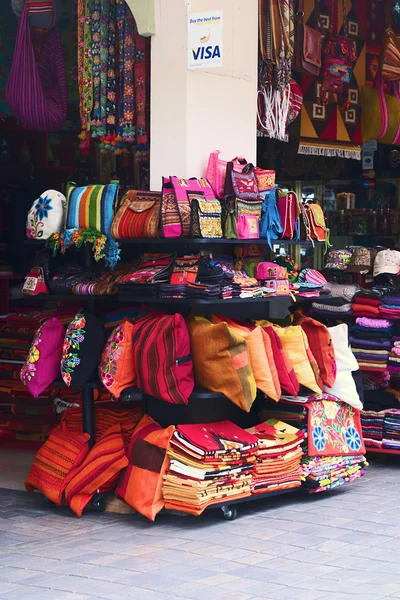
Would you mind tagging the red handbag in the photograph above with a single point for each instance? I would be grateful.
(289, 212)
(307, 56)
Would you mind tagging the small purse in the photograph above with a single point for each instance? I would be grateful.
(265, 179)
(277, 287)
(245, 184)
(230, 226)
(138, 216)
(307, 53)
(248, 227)
(206, 217)
(268, 270)
(246, 207)
(185, 270)
(35, 283)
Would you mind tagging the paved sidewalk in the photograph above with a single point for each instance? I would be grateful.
(339, 545)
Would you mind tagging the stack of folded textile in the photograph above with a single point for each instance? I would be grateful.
(277, 458)
(335, 308)
(117, 317)
(328, 472)
(394, 355)
(375, 380)
(146, 278)
(209, 463)
(291, 413)
(391, 430)
(365, 304)
(390, 306)
(372, 428)
(370, 341)
(249, 286)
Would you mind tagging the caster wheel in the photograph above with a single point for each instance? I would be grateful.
(99, 503)
(229, 512)
(48, 501)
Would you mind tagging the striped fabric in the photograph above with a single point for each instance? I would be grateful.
(163, 361)
(63, 451)
(103, 463)
(37, 92)
(91, 207)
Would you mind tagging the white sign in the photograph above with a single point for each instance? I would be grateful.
(205, 34)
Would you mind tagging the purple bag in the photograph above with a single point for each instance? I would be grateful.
(36, 92)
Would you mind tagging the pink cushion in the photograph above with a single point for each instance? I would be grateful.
(43, 364)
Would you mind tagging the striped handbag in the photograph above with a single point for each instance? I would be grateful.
(36, 92)
(138, 216)
(91, 207)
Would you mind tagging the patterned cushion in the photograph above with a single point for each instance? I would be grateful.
(141, 483)
(117, 365)
(91, 207)
(287, 376)
(295, 342)
(82, 349)
(105, 460)
(43, 364)
(59, 455)
(221, 361)
(321, 346)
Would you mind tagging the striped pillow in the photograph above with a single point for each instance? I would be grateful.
(141, 483)
(105, 460)
(91, 207)
(59, 455)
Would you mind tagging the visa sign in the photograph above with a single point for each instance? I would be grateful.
(205, 37)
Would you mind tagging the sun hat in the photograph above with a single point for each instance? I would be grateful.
(387, 261)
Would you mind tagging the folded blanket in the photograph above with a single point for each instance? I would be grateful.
(365, 301)
(365, 311)
(380, 343)
(344, 308)
(374, 323)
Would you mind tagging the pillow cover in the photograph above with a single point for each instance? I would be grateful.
(91, 207)
(141, 483)
(82, 349)
(117, 365)
(321, 346)
(295, 342)
(102, 464)
(221, 361)
(344, 386)
(64, 451)
(260, 354)
(287, 376)
(43, 363)
(163, 362)
(46, 215)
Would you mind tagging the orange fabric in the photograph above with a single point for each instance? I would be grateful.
(261, 358)
(105, 460)
(59, 455)
(295, 342)
(141, 483)
(221, 361)
(117, 365)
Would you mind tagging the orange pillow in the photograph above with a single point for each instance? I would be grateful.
(59, 455)
(261, 359)
(117, 365)
(105, 460)
(221, 361)
(141, 483)
(295, 342)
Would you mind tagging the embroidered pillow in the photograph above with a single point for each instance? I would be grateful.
(82, 349)
(117, 364)
(221, 361)
(103, 463)
(295, 342)
(60, 454)
(141, 483)
(43, 363)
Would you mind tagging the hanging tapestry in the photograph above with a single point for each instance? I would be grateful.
(329, 126)
(375, 32)
(8, 32)
(334, 428)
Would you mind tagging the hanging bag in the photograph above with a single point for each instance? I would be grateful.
(270, 224)
(381, 112)
(42, 13)
(307, 54)
(36, 92)
(289, 212)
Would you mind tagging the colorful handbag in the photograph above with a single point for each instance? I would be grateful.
(277, 287)
(318, 228)
(138, 216)
(244, 184)
(46, 216)
(265, 179)
(35, 283)
(42, 13)
(247, 207)
(175, 204)
(307, 53)
(185, 270)
(268, 270)
(216, 171)
(91, 207)
(270, 224)
(248, 227)
(152, 268)
(206, 217)
(289, 212)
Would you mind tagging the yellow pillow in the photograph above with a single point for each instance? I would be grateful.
(295, 342)
(221, 361)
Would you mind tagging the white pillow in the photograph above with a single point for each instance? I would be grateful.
(344, 387)
(46, 216)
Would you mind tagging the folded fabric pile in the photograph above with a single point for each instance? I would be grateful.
(365, 306)
(391, 430)
(390, 306)
(209, 463)
(370, 341)
(277, 458)
(328, 472)
(145, 279)
(331, 307)
(291, 413)
(372, 428)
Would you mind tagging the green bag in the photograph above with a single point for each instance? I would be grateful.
(230, 225)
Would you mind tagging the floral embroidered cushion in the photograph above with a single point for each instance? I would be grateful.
(117, 364)
(82, 350)
(43, 363)
(46, 216)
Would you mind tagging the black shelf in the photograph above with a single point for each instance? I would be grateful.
(196, 242)
(137, 299)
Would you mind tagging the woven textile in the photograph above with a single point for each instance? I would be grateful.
(321, 346)
(63, 451)
(331, 129)
(117, 365)
(91, 207)
(295, 342)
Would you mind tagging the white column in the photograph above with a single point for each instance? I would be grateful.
(194, 112)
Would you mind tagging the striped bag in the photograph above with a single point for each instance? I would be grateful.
(91, 207)
(36, 92)
(163, 361)
(138, 216)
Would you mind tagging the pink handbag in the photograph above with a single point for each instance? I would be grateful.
(248, 227)
(216, 171)
(175, 204)
(269, 270)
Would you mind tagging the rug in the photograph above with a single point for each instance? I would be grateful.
(330, 130)
(334, 429)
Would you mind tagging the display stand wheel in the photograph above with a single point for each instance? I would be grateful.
(229, 512)
(99, 503)
(48, 501)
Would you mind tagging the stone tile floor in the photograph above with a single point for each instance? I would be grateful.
(340, 545)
